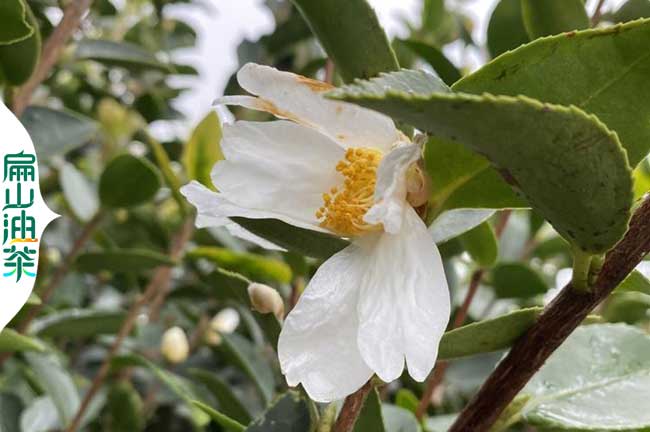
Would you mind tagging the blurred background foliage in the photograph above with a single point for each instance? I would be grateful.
(123, 265)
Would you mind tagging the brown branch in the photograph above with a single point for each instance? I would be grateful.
(159, 280)
(51, 53)
(329, 71)
(557, 322)
(351, 408)
(598, 13)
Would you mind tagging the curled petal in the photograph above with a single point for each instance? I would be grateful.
(297, 98)
(403, 305)
(318, 342)
(390, 191)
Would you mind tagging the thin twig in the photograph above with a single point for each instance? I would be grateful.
(598, 13)
(159, 280)
(552, 328)
(351, 408)
(329, 71)
(51, 52)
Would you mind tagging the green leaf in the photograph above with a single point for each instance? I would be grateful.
(57, 383)
(370, 418)
(553, 70)
(452, 223)
(549, 17)
(128, 181)
(406, 399)
(122, 54)
(122, 260)
(436, 59)
(40, 415)
(229, 403)
(124, 408)
(440, 423)
(462, 179)
(251, 361)
(222, 420)
(635, 282)
(78, 323)
(56, 132)
(14, 24)
(481, 244)
(552, 154)
(10, 409)
(79, 193)
(289, 412)
(202, 150)
(632, 10)
(598, 379)
(487, 336)
(398, 419)
(18, 60)
(506, 29)
(311, 243)
(627, 307)
(232, 286)
(253, 266)
(340, 26)
(12, 341)
(517, 280)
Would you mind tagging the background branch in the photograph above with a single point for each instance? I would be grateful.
(557, 322)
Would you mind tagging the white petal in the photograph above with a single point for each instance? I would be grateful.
(242, 233)
(404, 301)
(300, 99)
(279, 166)
(390, 191)
(452, 223)
(214, 209)
(318, 342)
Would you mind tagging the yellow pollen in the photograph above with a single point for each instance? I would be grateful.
(344, 207)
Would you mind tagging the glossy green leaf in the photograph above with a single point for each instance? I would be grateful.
(311, 243)
(229, 403)
(56, 132)
(487, 336)
(340, 25)
(628, 307)
(251, 361)
(10, 409)
(19, 59)
(532, 143)
(506, 29)
(78, 323)
(253, 266)
(12, 341)
(80, 194)
(128, 181)
(517, 280)
(370, 418)
(599, 379)
(14, 23)
(435, 58)
(289, 412)
(636, 282)
(641, 179)
(122, 260)
(124, 408)
(221, 419)
(202, 150)
(406, 399)
(122, 54)
(57, 383)
(632, 10)
(549, 17)
(481, 244)
(602, 71)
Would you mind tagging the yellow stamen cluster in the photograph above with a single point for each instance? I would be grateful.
(343, 208)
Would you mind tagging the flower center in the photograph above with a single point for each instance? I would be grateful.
(343, 208)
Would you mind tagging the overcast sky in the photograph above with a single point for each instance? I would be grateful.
(229, 22)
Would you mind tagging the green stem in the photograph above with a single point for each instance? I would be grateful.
(581, 266)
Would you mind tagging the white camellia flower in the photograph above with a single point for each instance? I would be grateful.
(382, 302)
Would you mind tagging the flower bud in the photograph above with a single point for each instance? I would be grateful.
(265, 299)
(174, 345)
(224, 322)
